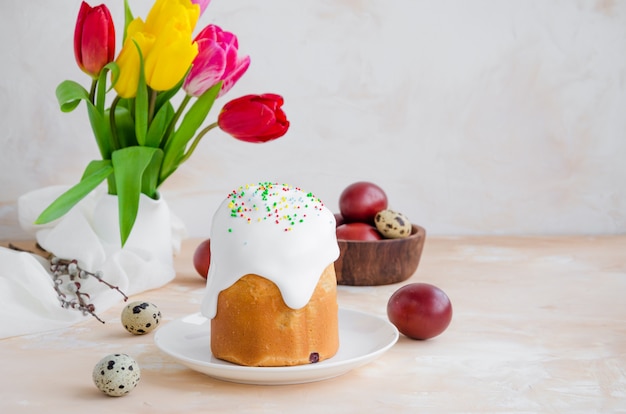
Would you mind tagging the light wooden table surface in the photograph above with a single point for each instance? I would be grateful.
(539, 326)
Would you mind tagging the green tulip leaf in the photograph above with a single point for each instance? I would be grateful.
(196, 115)
(95, 173)
(130, 164)
(158, 126)
(165, 96)
(101, 90)
(193, 119)
(102, 82)
(101, 130)
(141, 103)
(150, 178)
(115, 73)
(69, 95)
(125, 127)
(128, 17)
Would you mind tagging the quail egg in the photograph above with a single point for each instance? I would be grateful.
(116, 374)
(392, 225)
(140, 317)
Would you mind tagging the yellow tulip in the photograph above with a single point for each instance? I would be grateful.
(163, 12)
(170, 58)
(128, 59)
(166, 44)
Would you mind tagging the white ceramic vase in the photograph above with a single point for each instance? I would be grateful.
(146, 259)
(151, 234)
(90, 234)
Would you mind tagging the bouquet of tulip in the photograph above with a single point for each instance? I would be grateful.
(141, 136)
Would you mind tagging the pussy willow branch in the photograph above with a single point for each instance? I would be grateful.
(63, 267)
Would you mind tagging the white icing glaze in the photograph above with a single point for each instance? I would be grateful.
(275, 231)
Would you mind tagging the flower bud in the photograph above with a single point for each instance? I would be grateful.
(94, 38)
(254, 118)
(165, 41)
(218, 60)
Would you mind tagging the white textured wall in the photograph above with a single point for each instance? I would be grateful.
(476, 116)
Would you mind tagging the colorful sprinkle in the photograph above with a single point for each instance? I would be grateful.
(279, 202)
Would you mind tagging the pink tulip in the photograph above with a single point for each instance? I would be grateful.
(94, 38)
(254, 118)
(218, 59)
(202, 3)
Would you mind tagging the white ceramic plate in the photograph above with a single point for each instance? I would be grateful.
(362, 338)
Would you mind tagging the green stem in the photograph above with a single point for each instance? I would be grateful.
(196, 141)
(111, 185)
(172, 124)
(92, 91)
(151, 104)
(115, 144)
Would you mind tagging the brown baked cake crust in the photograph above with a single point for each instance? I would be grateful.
(254, 327)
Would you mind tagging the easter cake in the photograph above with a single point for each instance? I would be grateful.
(271, 287)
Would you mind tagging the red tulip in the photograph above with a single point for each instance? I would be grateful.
(254, 118)
(218, 59)
(94, 38)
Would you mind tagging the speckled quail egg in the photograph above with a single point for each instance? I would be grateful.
(392, 225)
(140, 317)
(116, 374)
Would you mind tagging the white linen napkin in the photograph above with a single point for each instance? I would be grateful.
(88, 233)
(28, 302)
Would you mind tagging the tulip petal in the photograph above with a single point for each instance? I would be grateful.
(234, 68)
(169, 59)
(208, 68)
(240, 68)
(254, 118)
(209, 32)
(94, 54)
(164, 12)
(128, 59)
(202, 3)
(78, 33)
(171, 22)
(94, 39)
(247, 121)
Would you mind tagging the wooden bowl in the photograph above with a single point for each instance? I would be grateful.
(379, 262)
